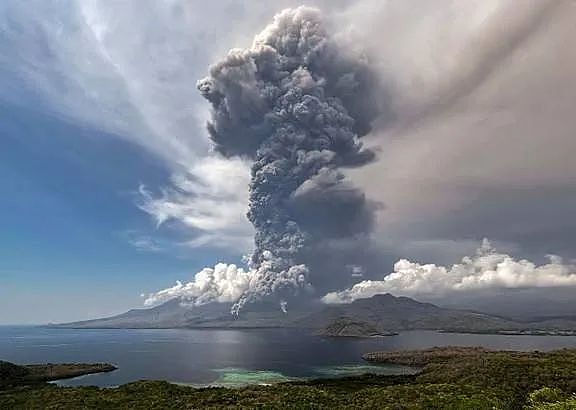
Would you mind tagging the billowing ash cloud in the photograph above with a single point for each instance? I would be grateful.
(296, 105)
(488, 269)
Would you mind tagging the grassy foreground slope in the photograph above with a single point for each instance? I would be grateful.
(450, 379)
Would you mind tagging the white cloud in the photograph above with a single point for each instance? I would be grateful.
(223, 283)
(487, 269)
(211, 199)
(228, 283)
(142, 243)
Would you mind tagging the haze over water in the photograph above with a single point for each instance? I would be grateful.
(230, 357)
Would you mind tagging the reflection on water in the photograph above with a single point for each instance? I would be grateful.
(191, 356)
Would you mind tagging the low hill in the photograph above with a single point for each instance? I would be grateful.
(346, 327)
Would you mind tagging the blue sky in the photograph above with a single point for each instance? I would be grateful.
(69, 216)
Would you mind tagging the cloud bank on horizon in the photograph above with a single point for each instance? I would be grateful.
(487, 269)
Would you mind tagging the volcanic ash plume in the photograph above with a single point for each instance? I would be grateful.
(296, 105)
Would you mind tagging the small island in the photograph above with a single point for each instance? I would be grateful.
(13, 374)
(347, 327)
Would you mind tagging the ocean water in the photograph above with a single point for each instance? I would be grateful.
(230, 357)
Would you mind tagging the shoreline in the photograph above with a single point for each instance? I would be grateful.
(63, 371)
(514, 332)
(503, 332)
(450, 377)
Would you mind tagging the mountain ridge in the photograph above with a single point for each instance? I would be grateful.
(383, 313)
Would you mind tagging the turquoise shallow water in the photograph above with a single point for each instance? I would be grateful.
(230, 357)
(235, 377)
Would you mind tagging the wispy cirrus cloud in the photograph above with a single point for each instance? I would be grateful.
(210, 199)
(142, 242)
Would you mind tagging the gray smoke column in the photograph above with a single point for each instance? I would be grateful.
(296, 105)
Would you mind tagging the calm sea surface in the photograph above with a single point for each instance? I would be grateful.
(229, 357)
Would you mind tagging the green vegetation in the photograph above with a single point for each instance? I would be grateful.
(11, 373)
(347, 327)
(551, 399)
(451, 378)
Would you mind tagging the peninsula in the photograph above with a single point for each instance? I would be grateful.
(12, 374)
